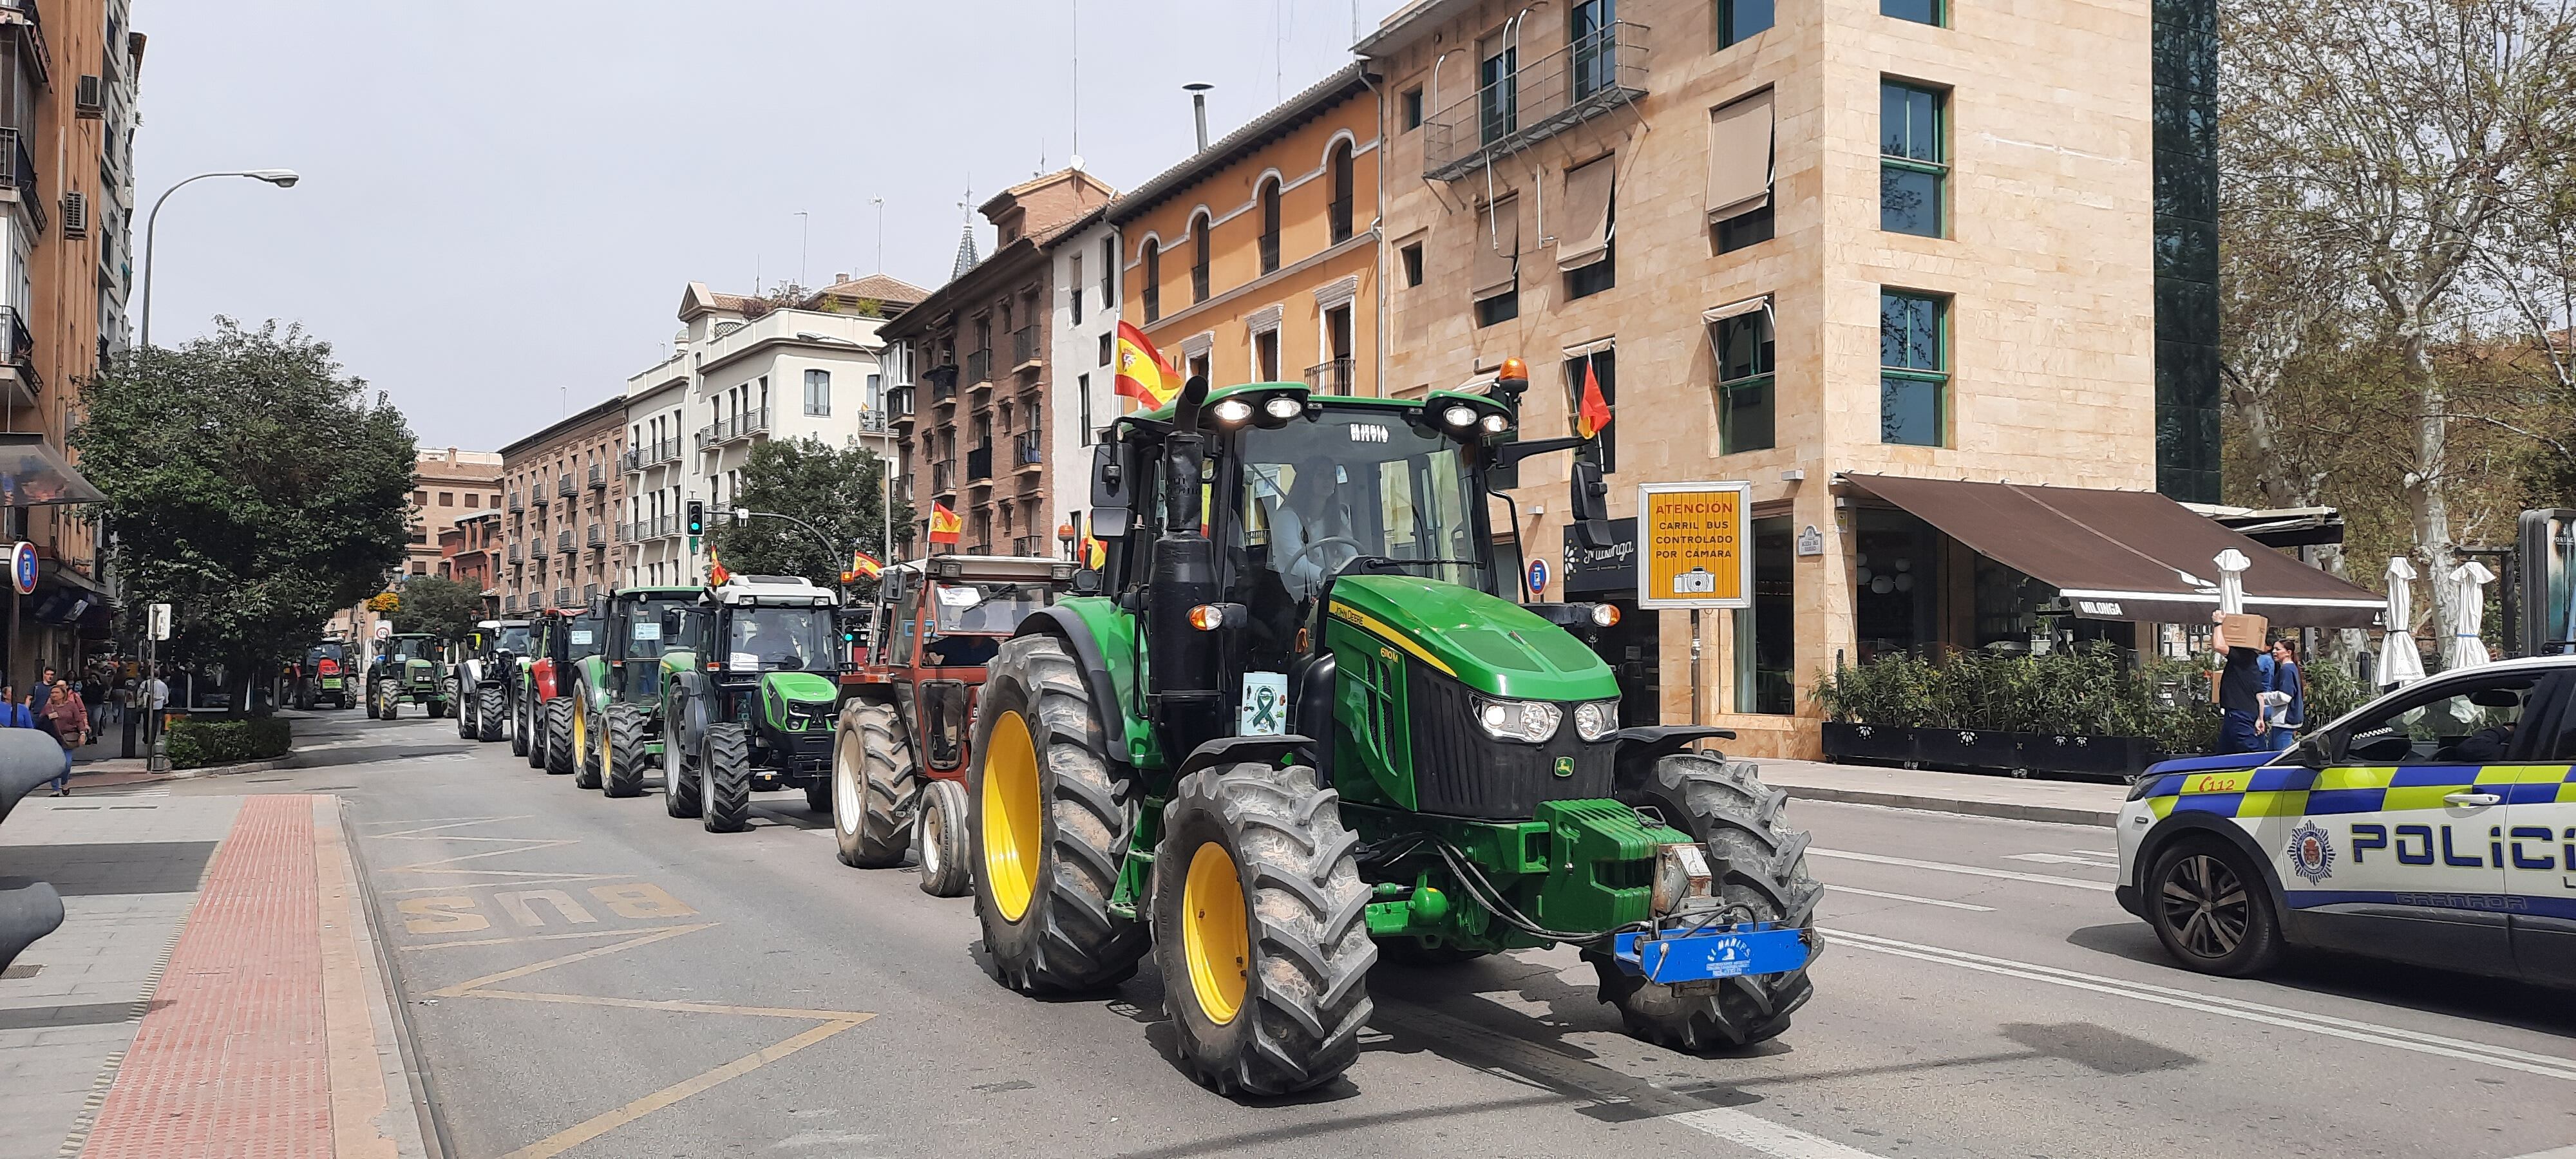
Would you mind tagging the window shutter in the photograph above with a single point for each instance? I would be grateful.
(1498, 248)
(1587, 210)
(1739, 157)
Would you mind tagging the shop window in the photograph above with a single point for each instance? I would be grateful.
(1892, 582)
(1913, 364)
(1766, 632)
(1918, 11)
(1588, 254)
(1912, 165)
(1748, 398)
(1603, 366)
(1740, 19)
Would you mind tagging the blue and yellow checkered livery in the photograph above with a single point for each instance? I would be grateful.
(2295, 791)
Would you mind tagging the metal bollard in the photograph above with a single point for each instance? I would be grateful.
(29, 909)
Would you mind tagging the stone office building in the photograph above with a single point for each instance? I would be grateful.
(563, 493)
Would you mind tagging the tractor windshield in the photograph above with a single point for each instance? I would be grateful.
(581, 637)
(513, 638)
(644, 636)
(409, 648)
(994, 609)
(1327, 489)
(782, 640)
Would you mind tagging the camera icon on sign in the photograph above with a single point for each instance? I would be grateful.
(1696, 581)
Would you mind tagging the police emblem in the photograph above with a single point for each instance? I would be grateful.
(2312, 856)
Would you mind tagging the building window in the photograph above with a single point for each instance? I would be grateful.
(1591, 31)
(1911, 169)
(1495, 285)
(1108, 348)
(1764, 632)
(447, 498)
(1500, 308)
(1082, 399)
(1744, 229)
(1913, 367)
(1108, 272)
(818, 393)
(420, 498)
(1602, 367)
(1153, 289)
(1265, 356)
(1747, 399)
(876, 392)
(1198, 365)
(1075, 281)
(1410, 118)
(1337, 351)
(1918, 11)
(1587, 253)
(1200, 245)
(1497, 89)
(1344, 197)
(1269, 227)
(1412, 256)
(1739, 19)
(1740, 158)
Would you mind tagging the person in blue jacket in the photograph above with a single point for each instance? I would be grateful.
(2283, 722)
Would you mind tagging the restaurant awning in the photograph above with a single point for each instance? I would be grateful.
(2123, 555)
(34, 473)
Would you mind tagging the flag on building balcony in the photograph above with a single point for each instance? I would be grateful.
(945, 526)
(1143, 375)
(862, 566)
(1594, 413)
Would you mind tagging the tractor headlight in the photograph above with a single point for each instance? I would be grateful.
(1527, 721)
(1283, 407)
(1496, 424)
(1233, 410)
(1459, 415)
(1596, 719)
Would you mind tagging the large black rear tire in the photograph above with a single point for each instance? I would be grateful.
(1758, 863)
(625, 754)
(464, 719)
(521, 744)
(1260, 929)
(488, 715)
(1051, 823)
(728, 773)
(875, 785)
(559, 754)
(682, 794)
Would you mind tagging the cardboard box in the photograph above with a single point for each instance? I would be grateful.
(2244, 630)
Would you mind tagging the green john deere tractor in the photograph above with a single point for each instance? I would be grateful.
(617, 693)
(1304, 719)
(407, 670)
(749, 690)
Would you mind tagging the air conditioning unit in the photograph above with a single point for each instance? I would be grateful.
(91, 103)
(75, 214)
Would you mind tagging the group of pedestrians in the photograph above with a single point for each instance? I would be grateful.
(51, 706)
(2264, 698)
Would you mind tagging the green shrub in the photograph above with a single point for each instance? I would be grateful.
(2090, 689)
(200, 741)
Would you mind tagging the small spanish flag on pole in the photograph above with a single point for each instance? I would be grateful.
(862, 566)
(716, 573)
(1143, 375)
(945, 526)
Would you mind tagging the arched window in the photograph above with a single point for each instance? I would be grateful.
(1269, 227)
(1339, 166)
(1199, 244)
(1153, 289)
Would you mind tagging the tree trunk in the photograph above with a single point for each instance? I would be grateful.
(2429, 510)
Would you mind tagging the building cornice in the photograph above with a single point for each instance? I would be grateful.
(839, 346)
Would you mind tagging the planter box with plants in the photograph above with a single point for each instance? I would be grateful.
(198, 742)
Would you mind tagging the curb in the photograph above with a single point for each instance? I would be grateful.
(431, 1129)
(2007, 810)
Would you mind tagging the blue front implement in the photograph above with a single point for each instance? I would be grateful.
(1714, 952)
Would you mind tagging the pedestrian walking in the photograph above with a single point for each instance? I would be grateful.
(2286, 697)
(69, 723)
(2240, 701)
(42, 691)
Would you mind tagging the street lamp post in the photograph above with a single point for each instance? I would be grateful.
(281, 178)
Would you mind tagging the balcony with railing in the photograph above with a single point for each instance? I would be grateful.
(518, 503)
(1332, 377)
(943, 383)
(589, 592)
(20, 179)
(563, 597)
(979, 464)
(872, 422)
(598, 476)
(597, 537)
(514, 556)
(1026, 342)
(1593, 76)
(565, 486)
(1028, 449)
(538, 496)
(536, 547)
(17, 358)
(943, 478)
(979, 367)
(563, 540)
(630, 462)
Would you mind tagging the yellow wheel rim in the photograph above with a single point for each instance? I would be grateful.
(1214, 935)
(604, 755)
(580, 735)
(1013, 837)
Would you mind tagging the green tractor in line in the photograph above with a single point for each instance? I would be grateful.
(617, 692)
(1302, 719)
(407, 670)
(750, 685)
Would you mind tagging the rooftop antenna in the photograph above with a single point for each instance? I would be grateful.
(879, 202)
(804, 232)
(1073, 78)
(1198, 91)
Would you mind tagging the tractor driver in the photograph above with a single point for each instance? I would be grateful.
(1312, 534)
(759, 633)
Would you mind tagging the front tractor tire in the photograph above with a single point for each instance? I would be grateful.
(523, 742)
(625, 755)
(388, 704)
(728, 779)
(490, 714)
(682, 794)
(1759, 869)
(874, 784)
(559, 750)
(939, 832)
(1050, 823)
(586, 755)
(1260, 930)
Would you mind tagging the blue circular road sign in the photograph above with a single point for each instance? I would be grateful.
(1538, 576)
(22, 566)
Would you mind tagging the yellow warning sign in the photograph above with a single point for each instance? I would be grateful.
(1692, 536)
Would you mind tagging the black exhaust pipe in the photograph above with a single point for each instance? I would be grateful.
(1188, 685)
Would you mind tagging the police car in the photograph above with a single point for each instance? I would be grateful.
(2434, 825)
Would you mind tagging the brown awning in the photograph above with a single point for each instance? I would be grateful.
(2123, 555)
(1498, 249)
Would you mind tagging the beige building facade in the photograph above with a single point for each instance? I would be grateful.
(447, 485)
(563, 493)
(1840, 242)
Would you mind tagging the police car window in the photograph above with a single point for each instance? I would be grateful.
(2471, 723)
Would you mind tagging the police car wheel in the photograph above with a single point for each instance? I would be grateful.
(2212, 909)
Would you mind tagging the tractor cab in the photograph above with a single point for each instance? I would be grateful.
(754, 708)
(634, 636)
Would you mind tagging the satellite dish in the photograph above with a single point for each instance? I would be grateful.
(1077, 162)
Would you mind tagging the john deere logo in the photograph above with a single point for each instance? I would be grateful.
(1565, 766)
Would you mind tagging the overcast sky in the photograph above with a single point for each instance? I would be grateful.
(502, 201)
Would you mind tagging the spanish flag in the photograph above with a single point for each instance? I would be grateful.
(862, 566)
(1592, 416)
(1095, 554)
(716, 573)
(1143, 375)
(945, 526)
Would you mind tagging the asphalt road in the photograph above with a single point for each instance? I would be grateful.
(589, 977)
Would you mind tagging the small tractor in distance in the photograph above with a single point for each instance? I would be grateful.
(1307, 719)
(487, 660)
(544, 710)
(407, 670)
(748, 692)
(323, 677)
(620, 688)
(899, 752)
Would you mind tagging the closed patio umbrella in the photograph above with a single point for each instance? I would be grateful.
(2399, 662)
(2469, 614)
(2231, 581)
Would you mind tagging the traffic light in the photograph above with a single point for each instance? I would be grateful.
(697, 517)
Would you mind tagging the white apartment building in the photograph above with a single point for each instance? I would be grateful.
(743, 371)
(1085, 323)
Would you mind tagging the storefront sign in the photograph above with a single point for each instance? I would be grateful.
(22, 566)
(1693, 539)
(1602, 571)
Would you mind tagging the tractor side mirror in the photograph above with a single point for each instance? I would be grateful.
(1591, 509)
(1111, 507)
(1086, 582)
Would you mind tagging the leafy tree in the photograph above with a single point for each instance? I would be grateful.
(441, 607)
(252, 485)
(838, 490)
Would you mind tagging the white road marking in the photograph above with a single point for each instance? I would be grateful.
(1832, 888)
(1746, 1129)
(2567, 1152)
(2549, 1066)
(2088, 861)
(1970, 870)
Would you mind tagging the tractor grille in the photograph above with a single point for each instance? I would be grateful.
(1459, 771)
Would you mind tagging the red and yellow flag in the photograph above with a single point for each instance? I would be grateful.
(945, 526)
(1143, 375)
(1095, 554)
(1593, 415)
(862, 566)
(716, 573)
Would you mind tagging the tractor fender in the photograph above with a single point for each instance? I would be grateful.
(1640, 747)
(1236, 750)
(1067, 626)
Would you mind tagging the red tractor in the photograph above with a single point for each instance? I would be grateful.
(541, 698)
(899, 754)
